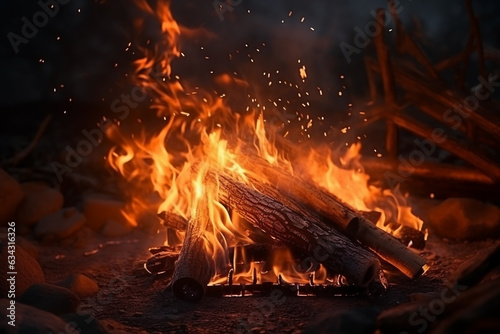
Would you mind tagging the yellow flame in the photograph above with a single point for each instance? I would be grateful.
(203, 134)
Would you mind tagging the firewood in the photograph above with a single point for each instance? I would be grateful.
(193, 269)
(162, 262)
(405, 234)
(27, 150)
(293, 228)
(172, 220)
(396, 320)
(164, 257)
(453, 145)
(430, 170)
(473, 271)
(475, 311)
(409, 236)
(372, 216)
(341, 216)
(451, 310)
(406, 44)
(391, 140)
(414, 81)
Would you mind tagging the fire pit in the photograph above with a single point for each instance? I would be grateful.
(212, 196)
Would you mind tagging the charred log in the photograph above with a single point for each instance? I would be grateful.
(193, 269)
(292, 227)
(339, 215)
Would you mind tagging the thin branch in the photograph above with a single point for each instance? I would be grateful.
(24, 153)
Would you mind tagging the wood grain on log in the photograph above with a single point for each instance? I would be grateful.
(339, 215)
(193, 269)
(292, 227)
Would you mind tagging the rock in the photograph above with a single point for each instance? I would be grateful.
(84, 323)
(81, 239)
(396, 319)
(30, 320)
(113, 229)
(80, 284)
(28, 247)
(477, 268)
(361, 320)
(99, 209)
(421, 207)
(50, 298)
(39, 201)
(60, 224)
(465, 219)
(11, 195)
(473, 311)
(28, 270)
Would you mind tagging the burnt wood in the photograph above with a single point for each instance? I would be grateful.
(292, 227)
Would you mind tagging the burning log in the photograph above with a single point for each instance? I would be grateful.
(409, 236)
(292, 227)
(164, 257)
(341, 216)
(162, 262)
(172, 220)
(193, 269)
(391, 139)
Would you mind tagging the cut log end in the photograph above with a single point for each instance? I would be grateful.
(389, 249)
(193, 269)
(189, 289)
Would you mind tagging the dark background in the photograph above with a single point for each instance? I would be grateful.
(77, 64)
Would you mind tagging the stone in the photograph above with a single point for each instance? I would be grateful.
(396, 319)
(114, 229)
(80, 284)
(98, 209)
(353, 321)
(50, 298)
(475, 310)
(28, 246)
(465, 219)
(478, 267)
(39, 201)
(82, 239)
(60, 224)
(421, 207)
(27, 268)
(11, 195)
(30, 320)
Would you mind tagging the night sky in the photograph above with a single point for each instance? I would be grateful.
(79, 60)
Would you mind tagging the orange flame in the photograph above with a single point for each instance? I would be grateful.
(202, 133)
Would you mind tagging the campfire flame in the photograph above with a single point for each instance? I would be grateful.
(165, 172)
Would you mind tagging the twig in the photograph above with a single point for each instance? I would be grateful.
(406, 44)
(474, 27)
(387, 74)
(24, 153)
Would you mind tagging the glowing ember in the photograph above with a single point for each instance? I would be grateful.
(165, 171)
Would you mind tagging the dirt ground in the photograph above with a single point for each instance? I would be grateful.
(134, 298)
